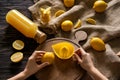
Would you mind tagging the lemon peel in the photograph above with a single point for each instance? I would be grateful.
(45, 14)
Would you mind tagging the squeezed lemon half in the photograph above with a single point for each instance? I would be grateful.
(16, 57)
(63, 50)
(18, 45)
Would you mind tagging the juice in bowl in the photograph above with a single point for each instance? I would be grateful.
(63, 50)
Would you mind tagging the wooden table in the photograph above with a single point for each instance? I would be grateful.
(8, 34)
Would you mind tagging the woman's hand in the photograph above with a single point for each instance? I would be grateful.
(84, 59)
(86, 63)
(34, 63)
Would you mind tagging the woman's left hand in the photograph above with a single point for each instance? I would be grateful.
(33, 64)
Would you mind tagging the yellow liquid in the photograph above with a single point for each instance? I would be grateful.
(22, 23)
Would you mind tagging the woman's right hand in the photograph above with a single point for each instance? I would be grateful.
(86, 63)
(84, 59)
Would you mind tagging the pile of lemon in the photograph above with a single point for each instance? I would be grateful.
(65, 50)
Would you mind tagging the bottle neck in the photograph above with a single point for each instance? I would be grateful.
(40, 37)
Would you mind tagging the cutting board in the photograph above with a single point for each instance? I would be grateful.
(60, 69)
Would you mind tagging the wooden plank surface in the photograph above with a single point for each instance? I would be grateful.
(8, 34)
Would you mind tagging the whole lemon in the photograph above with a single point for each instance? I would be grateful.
(97, 44)
(100, 6)
(69, 3)
(48, 57)
(67, 25)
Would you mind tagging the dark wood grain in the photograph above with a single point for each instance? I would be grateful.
(8, 34)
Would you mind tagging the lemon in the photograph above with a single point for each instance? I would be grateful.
(97, 44)
(18, 44)
(91, 21)
(48, 57)
(100, 6)
(16, 57)
(59, 12)
(69, 3)
(67, 25)
(63, 50)
(78, 24)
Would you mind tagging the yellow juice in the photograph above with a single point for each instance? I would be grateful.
(22, 23)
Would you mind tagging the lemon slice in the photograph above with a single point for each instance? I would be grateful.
(18, 44)
(16, 57)
(78, 24)
(91, 21)
(63, 50)
(59, 12)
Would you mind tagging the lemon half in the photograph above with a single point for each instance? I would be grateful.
(18, 45)
(63, 50)
(16, 57)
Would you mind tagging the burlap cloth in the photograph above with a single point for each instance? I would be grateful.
(107, 28)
